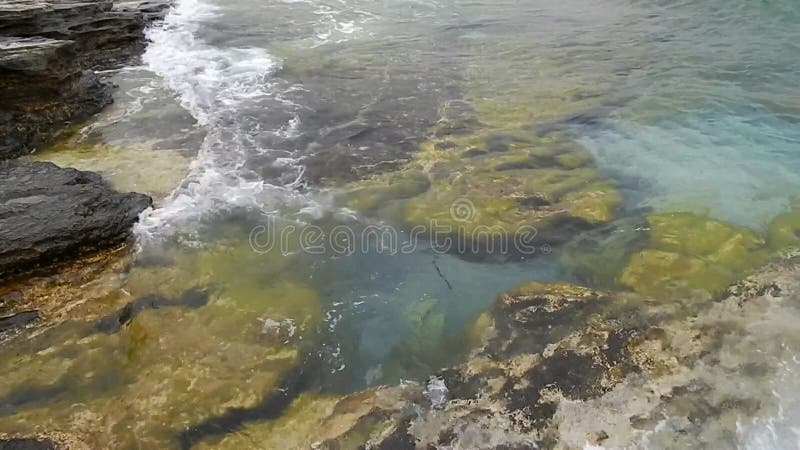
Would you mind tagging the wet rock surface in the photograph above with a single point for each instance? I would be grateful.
(48, 50)
(26, 444)
(17, 320)
(49, 214)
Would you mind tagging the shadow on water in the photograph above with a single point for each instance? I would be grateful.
(294, 382)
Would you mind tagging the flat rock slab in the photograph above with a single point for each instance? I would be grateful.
(50, 214)
(34, 54)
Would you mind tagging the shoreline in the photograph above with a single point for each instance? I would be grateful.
(53, 62)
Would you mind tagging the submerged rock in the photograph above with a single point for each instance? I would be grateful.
(500, 174)
(491, 190)
(18, 320)
(112, 323)
(167, 370)
(667, 255)
(685, 251)
(130, 168)
(783, 232)
(49, 214)
(177, 342)
(598, 256)
(368, 419)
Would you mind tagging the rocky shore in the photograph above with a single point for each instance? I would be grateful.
(50, 52)
(52, 57)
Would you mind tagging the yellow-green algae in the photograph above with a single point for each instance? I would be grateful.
(533, 181)
(783, 232)
(132, 168)
(169, 368)
(686, 251)
(371, 195)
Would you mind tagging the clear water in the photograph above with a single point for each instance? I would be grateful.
(687, 106)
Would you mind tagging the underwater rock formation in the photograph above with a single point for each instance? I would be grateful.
(784, 231)
(181, 338)
(671, 255)
(487, 189)
(129, 168)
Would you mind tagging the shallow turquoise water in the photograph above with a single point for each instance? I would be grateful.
(686, 106)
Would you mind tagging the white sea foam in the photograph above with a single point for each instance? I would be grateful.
(781, 430)
(213, 84)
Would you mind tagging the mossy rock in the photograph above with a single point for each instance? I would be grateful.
(542, 185)
(427, 327)
(554, 293)
(371, 195)
(598, 256)
(783, 232)
(506, 178)
(501, 203)
(686, 252)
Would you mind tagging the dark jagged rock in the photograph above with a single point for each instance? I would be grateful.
(41, 89)
(26, 444)
(47, 48)
(113, 322)
(49, 214)
(18, 320)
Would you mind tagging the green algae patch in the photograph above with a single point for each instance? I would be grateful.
(686, 252)
(370, 195)
(298, 427)
(128, 169)
(507, 201)
(504, 157)
(598, 256)
(228, 264)
(492, 185)
(783, 232)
